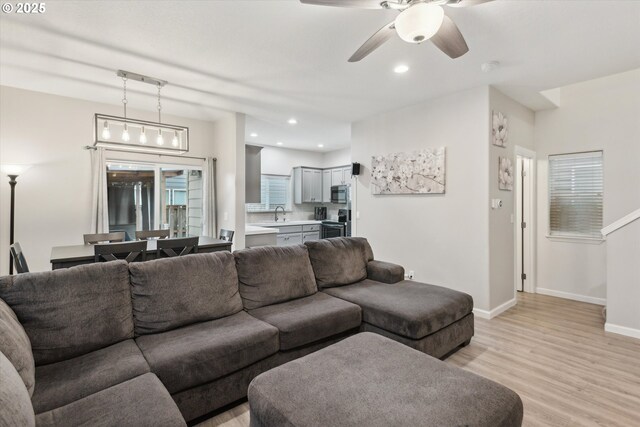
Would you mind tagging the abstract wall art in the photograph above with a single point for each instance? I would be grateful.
(416, 172)
(505, 174)
(499, 130)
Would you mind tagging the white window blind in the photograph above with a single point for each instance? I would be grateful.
(275, 190)
(575, 195)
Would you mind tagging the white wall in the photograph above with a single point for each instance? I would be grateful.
(337, 158)
(623, 281)
(601, 114)
(229, 136)
(281, 161)
(443, 238)
(53, 199)
(501, 230)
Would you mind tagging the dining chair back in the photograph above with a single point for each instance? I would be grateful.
(18, 258)
(92, 239)
(152, 234)
(226, 235)
(128, 251)
(177, 247)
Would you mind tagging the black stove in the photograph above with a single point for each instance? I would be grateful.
(339, 228)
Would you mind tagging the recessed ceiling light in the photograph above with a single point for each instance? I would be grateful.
(279, 143)
(253, 135)
(320, 145)
(401, 69)
(292, 121)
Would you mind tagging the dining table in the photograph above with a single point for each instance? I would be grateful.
(69, 256)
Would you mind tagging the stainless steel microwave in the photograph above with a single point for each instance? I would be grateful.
(340, 194)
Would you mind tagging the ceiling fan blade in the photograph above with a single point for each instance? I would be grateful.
(449, 39)
(361, 4)
(374, 42)
(466, 3)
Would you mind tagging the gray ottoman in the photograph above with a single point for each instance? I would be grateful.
(369, 380)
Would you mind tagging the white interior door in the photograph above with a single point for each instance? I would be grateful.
(524, 224)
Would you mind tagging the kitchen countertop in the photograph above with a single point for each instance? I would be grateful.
(252, 230)
(283, 223)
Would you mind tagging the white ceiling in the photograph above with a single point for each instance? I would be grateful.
(279, 59)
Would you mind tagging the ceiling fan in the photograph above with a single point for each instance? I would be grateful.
(418, 21)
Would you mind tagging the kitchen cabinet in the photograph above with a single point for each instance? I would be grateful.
(326, 186)
(307, 185)
(307, 237)
(341, 176)
(289, 239)
(289, 235)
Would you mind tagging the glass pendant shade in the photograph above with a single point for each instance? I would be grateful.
(419, 22)
(160, 139)
(143, 136)
(125, 134)
(106, 133)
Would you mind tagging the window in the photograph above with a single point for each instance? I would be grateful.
(154, 196)
(275, 190)
(575, 195)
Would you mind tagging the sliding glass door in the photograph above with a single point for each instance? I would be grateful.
(154, 196)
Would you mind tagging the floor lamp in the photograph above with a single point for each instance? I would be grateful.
(12, 172)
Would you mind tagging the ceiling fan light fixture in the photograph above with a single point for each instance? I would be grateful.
(419, 22)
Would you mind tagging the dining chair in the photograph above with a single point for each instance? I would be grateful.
(152, 234)
(18, 258)
(177, 247)
(128, 251)
(92, 239)
(226, 235)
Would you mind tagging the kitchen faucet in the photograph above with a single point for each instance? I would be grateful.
(283, 213)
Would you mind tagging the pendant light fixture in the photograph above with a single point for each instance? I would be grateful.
(132, 130)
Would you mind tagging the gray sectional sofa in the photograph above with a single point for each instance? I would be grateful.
(164, 341)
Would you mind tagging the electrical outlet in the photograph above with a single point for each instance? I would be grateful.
(409, 275)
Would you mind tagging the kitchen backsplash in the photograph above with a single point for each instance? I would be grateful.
(299, 212)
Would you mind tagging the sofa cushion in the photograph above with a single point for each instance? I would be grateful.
(306, 320)
(15, 344)
(15, 403)
(386, 272)
(200, 353)
(72, 311)
(339, 261)
(141, 401)
(407, 308)
(173, 292)
(273, 274)
(61, 383)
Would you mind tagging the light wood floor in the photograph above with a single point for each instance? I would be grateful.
(555, 354)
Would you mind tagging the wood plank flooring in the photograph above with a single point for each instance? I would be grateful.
(555, 354)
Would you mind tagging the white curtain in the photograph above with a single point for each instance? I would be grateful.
(100, 208)
(209, 220)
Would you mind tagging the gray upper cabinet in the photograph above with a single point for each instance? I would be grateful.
(307, 185)
(252, 173)
(336, 177)
(346, 175)
(314, 185)
(326, 186)
(341, 176)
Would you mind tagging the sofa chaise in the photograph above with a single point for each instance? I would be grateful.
(164, 341)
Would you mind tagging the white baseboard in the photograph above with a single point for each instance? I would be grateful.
(622, 330)
(568, 295)
(484, 314)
